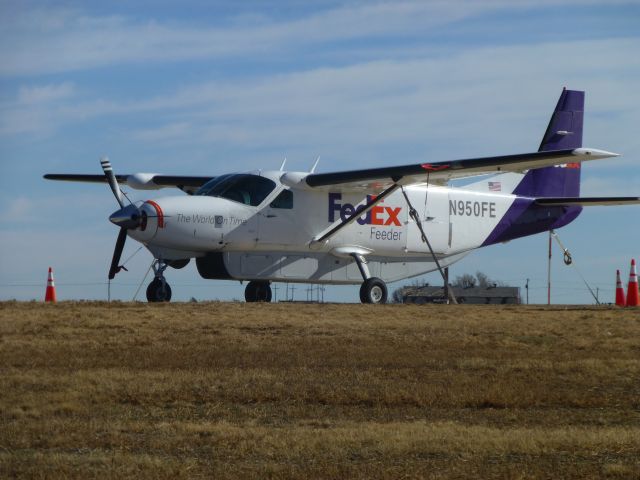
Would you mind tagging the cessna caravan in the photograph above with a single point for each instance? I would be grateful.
(368, 226)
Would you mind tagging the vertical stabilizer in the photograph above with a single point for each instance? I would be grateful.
(563, 132)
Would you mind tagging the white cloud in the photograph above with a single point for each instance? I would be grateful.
(416, 101)
(45, 93)
(17, 210)
(51, 40)
(169, 132)
(419, 104)
(58, 40)
(34, 109)
(52, 209)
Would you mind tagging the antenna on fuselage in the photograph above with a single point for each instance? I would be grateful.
(313, 169)
(284, 162)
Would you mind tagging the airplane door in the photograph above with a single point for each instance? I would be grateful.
(278, 224)
(240, 226)
(434, 216)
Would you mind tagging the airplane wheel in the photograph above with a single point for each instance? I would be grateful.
(373, 290)
(156, 292)
(257, 292)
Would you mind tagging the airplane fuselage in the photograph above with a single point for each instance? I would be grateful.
(271, 240)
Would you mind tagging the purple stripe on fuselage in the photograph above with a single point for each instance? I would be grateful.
(516, 209)
(571, 213)
(524, 218)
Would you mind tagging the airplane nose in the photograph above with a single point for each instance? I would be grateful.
(127, 217)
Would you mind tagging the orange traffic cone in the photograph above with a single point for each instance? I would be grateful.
(50, 294)
(620, 300)
(632, 289)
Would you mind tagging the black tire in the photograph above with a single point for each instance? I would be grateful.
(363, 298)
(257, 292)
(373, 290)
(156, 292)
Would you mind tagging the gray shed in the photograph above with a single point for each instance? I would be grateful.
(474, 295)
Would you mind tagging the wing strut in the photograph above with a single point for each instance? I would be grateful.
(416, 218)
(361, 210)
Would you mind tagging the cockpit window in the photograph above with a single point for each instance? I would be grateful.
(242, 188)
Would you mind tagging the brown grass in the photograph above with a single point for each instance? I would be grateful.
(234, 390)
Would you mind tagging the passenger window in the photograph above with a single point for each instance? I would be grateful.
(283, 200)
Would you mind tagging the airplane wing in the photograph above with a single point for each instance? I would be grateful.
(139, 181)
(371, 179)
(377, 179)
(587, 201)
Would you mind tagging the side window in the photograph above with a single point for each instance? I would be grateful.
(283, 200)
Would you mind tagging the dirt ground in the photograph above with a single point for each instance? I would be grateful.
(235, 390)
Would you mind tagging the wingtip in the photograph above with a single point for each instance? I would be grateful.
(594, 153)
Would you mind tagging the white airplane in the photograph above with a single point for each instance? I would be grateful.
(368, 226)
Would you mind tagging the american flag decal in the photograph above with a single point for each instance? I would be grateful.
(495, 187)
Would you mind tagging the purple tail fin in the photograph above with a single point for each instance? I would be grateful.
(563, 132)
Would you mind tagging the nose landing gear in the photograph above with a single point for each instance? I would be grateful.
(159, 290)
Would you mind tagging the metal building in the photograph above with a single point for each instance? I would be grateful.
(473, 295)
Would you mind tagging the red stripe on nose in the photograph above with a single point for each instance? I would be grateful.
(158, 212)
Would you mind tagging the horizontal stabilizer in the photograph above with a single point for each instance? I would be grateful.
(587, 201)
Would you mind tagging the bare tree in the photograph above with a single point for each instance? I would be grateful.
(481, 280)
(397, 295)
(465, 281)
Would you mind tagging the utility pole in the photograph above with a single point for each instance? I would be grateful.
(549, 273)
(527, 288)
(446, 284)
(275, 292)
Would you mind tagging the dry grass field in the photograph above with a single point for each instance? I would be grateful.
(235, 390)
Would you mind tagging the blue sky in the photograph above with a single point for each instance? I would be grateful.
(207, 87)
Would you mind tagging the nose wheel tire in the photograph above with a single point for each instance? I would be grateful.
(257, 292)
(158, 291)
(373, 290)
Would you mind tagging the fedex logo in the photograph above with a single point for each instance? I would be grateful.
(378, 215)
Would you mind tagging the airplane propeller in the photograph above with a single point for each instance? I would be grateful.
(128, 217)
(111, 178)
(117, 253)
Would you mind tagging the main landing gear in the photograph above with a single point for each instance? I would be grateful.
(373, 289)
(257, 291)
(159, 290)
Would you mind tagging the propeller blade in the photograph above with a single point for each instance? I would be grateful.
(117, 253)
(113, 183)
